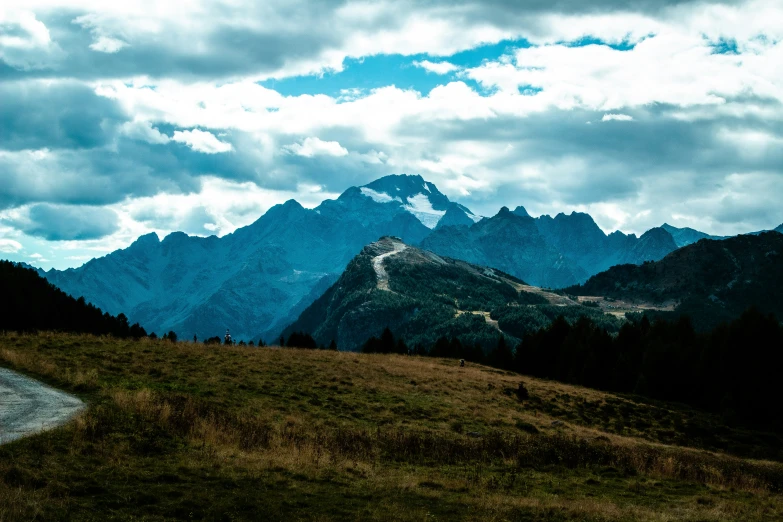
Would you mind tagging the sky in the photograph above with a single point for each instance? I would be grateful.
(122, 118)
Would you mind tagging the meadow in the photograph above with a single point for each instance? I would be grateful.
(188, 431)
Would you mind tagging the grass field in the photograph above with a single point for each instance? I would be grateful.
(206, 432)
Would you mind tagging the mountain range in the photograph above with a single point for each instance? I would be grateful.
(258, 279)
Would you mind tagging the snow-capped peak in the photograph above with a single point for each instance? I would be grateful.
(421, 207)
(413, 194)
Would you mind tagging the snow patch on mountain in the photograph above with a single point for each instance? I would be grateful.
(379, 197)
(421, 207)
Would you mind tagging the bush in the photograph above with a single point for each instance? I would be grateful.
(526, 427)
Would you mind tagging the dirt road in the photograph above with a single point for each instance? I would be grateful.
(380, 271)
(28, 406)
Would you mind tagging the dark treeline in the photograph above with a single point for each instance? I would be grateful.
(29, 303)
(305, 340)
(733, 370)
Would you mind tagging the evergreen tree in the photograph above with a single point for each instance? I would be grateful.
(301, 340)
(502, 356)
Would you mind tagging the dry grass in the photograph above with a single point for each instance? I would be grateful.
(218, 432)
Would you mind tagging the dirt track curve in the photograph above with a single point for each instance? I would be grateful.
(28, 406)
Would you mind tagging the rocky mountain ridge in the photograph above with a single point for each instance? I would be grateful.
(261, 277)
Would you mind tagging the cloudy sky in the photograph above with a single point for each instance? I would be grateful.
(120, 118)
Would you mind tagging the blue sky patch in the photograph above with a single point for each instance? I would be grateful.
(383, 70)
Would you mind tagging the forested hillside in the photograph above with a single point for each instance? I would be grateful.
(29, 303)
(423, 297)
(711, 280)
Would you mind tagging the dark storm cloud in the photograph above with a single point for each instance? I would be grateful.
(605, 161)
(288, 32)
(96, 176)
(219, 50)
(58, 222)
(55, 115)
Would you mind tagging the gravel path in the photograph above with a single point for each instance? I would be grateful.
(28, 406)
(380, 271)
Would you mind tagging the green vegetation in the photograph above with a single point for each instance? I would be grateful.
(429, 298)
(732, 370)
(30, 303)
(190, 431)
(520, 321)
(712, 281)
(660, 360)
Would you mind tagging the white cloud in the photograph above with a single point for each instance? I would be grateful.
(201, 141)
(674, 68)
(311, 147)
(437, 67)
(221, 205)
(143, 131)
(35, 256)
(9, 246)
(379, 197)
(106, 44)
(617, 117)
(25, 41)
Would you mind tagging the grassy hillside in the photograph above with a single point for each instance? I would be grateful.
(183, 431)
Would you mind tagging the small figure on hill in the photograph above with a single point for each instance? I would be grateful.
(522, 393)
(462, 363)
(227, 338)
(195, 339)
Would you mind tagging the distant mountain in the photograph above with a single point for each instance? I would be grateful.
(712, 280)
(258, 279)
(686, 236)
(421, 297)
(508, 242)
(779, 228)
(551, 252)
(651, 246)
(30, 303)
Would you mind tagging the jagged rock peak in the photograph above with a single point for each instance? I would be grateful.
(147, 239)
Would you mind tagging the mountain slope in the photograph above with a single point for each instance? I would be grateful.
(686, 236)
(510, 242)
(653, 245)
(712, 279)
(29, 303)
(580, 240)
(421, 297)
